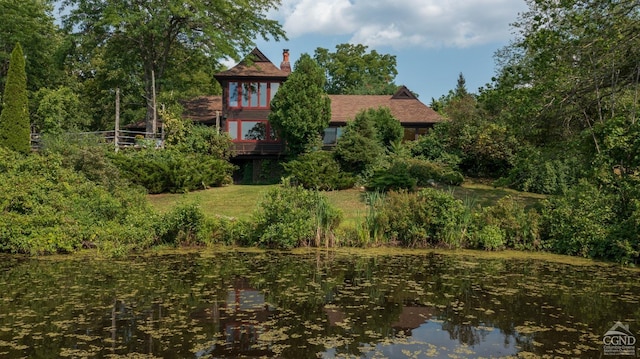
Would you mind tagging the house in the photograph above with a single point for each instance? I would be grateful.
(249, 87)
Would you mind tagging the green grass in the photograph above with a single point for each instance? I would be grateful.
(233, 201)
(240, 201)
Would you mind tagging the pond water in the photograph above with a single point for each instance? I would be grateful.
(228, 304)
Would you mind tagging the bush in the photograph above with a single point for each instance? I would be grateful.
(320, 171)
(231, 231)
(428, 217)
(521, 228)
(580, 222)
(359, 149)
(183, 225)
(434, 146)
(534, 171)
(393, 179)
(162, 171)
(184, 136)
(288, 217)
(426, 171)
(408, 173)
(490, 237)
(47, 208)
(88, 155)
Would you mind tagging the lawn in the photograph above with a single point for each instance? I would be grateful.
(240, 201)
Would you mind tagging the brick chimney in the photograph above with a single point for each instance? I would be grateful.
(285, 65)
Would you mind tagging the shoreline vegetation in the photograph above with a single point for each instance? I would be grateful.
(69, 198)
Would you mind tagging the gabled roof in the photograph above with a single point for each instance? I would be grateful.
(404, 106)
(256, 64)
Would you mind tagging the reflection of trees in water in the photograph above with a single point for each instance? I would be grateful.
(158, 294)
(464, 333)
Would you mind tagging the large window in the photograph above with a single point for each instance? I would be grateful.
(252, 94)
(240, 130)
(331, 136)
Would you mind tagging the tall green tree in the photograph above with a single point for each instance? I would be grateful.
(576, 63)
(30, 22)
(148, 35)
(352, 70)
(14, 119)
(301, 109)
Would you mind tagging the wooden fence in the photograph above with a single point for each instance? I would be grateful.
(119, 139)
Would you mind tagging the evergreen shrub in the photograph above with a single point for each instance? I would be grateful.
(320, 171)
(162, 171)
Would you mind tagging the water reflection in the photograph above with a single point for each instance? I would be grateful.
(323, 304)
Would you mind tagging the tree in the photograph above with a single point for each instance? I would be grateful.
(575, 64)
(58, 110)
(389, 131)
(351, 70)
(30, 23)
(461, 87)
(14, 119)
(301, 110)
(148, 35)
(359, 148)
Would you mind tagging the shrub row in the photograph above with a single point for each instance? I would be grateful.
(162, 171)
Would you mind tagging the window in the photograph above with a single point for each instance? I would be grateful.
(274, 88)
(331, 135)
(233, 94)
(251, 131)
(254, 130)
(252, 94)
(233, 130)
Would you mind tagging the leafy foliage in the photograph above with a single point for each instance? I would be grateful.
(184, 136)
(301, 110)
(518, 227)
(394, 178)
(580, 222)
(427, 217)
(58, 111)
(48, 208)
(538, 172)
(320, 171)
(171, 171)
(31, 24)
(351, 70)
(359, 148)
(145, 40)
(185, 224)
(291, 216)
(14, 119)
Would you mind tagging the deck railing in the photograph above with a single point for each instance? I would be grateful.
(124, 138)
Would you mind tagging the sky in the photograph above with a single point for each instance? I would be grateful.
(433, 40)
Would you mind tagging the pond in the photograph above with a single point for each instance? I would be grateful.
(312, 304)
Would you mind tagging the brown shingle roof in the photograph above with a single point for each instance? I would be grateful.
(202, 109)
(403, 105)
(256, 64)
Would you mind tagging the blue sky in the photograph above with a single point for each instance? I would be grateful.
(433, 40)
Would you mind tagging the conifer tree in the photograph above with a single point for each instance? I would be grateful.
(14, 119)
(301, 109)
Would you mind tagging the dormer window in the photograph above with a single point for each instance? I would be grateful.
(252, 94)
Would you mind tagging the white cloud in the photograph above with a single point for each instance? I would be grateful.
(317, 16)
(424, 23)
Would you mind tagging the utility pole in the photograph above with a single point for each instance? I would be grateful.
(116, 132)
(154, 124)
